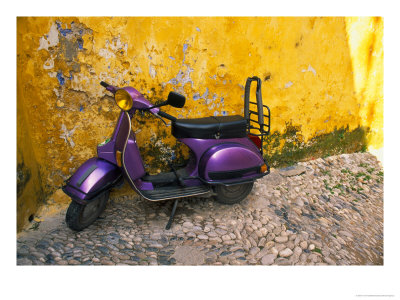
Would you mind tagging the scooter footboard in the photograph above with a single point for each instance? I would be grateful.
(93, 177)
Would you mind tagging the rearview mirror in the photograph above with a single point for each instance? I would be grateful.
(176, 100)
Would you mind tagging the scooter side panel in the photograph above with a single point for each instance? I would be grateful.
(201, 146)
(91, 178)
(229, 161)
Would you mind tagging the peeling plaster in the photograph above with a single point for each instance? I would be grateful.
(310, 69)
(67, 135)
(107, 54)
(288, 84)
(49, 63)
(152, 71)
(50, 40)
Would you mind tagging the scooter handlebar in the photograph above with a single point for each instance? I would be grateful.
(104, 84)
(108, 87)
(167, 116)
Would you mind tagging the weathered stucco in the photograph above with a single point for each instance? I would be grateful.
(313, 72)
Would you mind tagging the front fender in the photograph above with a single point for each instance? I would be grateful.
(93, 177)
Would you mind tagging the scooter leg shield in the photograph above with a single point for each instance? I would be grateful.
(93, 177)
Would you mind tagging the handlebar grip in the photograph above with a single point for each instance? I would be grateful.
(167, 116)
(105, 84)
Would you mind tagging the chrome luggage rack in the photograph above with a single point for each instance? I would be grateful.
(262, 124)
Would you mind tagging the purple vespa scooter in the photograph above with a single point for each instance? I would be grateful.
(226, 157)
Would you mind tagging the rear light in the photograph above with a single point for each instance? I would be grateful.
(255, 139)
(263, 168)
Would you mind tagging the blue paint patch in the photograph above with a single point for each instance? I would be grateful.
(205, 94)
(150, 57)
(80, 43)
(80, 32)
(109, 67)
(198, 29)
(185, 46)
(60, 78)
(174, 81)
(81, 108)
(222, 100)
(171, 57)
(64, 32)
(224, 113)
(215, 113)
(196, 96)
(173, 155)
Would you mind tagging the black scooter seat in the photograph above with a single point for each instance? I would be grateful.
(220, 127)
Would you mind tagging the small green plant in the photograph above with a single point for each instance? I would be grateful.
(367, 177)
(339, 186)
(359, 174)
(317, 250)
(370, 170)
(363, 165)
(326, 172)
(380, 173)
(35, 226)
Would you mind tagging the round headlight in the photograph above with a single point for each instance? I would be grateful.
(123, 99)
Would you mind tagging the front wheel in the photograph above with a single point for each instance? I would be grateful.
(80, 216)
(232, 194)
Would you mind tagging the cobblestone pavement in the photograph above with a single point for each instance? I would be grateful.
(330, 214)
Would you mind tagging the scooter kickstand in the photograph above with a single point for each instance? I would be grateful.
(172, 215)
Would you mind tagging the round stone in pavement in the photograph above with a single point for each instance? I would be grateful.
(268, 259)
(188, 255)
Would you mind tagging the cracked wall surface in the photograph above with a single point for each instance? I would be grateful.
(306, 65)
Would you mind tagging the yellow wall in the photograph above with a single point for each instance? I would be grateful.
(366, 51)
(309, 66)
(29, 186)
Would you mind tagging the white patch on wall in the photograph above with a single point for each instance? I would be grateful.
(117, 45)
(50, 40)
(310, 69)
(56, 92)
(49, 63)
(103, 52)
(114, 46)
(67, 135)
(329, 97)
(288, 84)
(152, 71)
(183, 75)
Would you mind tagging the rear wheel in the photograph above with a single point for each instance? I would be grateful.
(80, 216)
(232, 194)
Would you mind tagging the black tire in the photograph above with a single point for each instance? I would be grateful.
(232, 194)
(80, 216)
